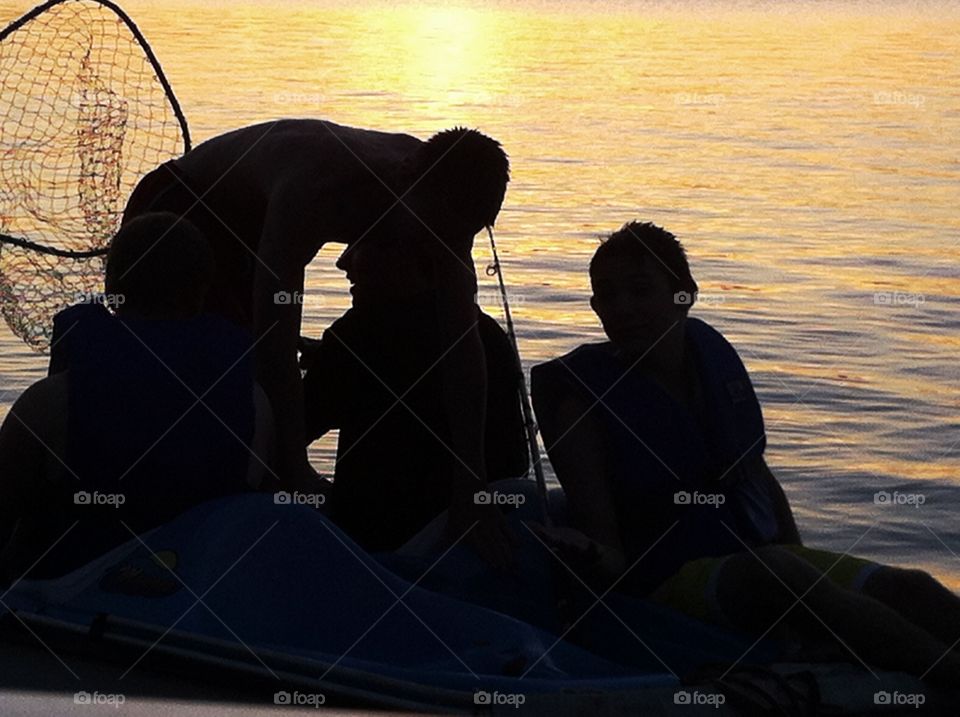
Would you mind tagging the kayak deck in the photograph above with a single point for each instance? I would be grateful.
(40, 681)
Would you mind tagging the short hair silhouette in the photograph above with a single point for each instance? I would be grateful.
(641, 241)
(468, 170)
(161, 265)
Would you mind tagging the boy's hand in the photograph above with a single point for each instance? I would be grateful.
(596, 563)
(569, 543)
(309, 350)
(487, 532)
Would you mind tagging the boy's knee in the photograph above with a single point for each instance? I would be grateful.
(891, 580)
(752, 591)
(790, 571)
(777, 560)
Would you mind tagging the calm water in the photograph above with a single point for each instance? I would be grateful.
(806, 155)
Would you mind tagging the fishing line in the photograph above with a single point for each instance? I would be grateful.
(529, 424)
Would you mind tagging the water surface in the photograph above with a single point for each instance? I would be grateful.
(805, 153)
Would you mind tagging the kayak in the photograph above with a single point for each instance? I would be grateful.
(267, 603)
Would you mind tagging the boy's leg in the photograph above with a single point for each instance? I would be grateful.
(913, 593)
(756, 590)
(920, 598)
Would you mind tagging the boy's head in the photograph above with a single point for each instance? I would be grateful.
(642, 284)
(385, 270)
(161, 265)
(453, 186)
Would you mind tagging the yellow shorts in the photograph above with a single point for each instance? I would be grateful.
(844, 570)
(692, 590)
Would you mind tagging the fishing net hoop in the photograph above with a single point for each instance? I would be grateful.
(91, 127)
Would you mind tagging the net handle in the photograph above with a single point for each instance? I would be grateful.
(52, 251)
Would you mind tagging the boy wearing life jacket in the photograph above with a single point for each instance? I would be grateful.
(657, 438)
(146, 412)
(376, 375)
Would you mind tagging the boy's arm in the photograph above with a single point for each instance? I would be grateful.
(291, 237)
(22, 459)
(328, 387)
(788, 533)
(507, 434)
(262, 446)
(578, 456)
(592, 548)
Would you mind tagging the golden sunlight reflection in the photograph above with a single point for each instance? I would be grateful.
(442, 55)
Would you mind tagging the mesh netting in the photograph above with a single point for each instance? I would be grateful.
(85, 112)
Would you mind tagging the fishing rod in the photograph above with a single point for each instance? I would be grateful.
(529, 424)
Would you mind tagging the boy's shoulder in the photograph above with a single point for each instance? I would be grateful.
(42, 408)
(43, 396)
(598, 349)
(699, 328)
(584, 360)
(711, 344)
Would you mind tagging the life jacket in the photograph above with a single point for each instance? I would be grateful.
(667, 465)
(159, 412)
(394, 465)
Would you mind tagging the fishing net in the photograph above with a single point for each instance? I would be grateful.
(86, 111)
